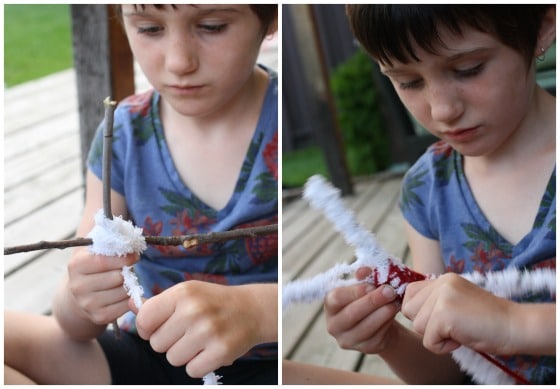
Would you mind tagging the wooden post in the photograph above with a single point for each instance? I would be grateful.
(331, 142)
(103, 64)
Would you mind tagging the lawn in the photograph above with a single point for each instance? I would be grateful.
(299, 165)
(37, 41)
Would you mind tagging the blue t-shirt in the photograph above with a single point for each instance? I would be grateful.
(161, 204)
(437, 201)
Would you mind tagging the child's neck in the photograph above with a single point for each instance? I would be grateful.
(508, 185)
(208, 152)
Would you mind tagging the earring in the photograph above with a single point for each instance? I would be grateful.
(542, 56)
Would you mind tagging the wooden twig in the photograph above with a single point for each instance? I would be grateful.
(186, 241)
(110, 106)
(107, 155)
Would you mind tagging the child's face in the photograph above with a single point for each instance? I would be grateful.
(474, 94)
(198, 57)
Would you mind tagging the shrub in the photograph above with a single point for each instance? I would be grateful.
(367, 149)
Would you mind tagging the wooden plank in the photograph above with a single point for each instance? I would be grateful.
(35, 137)
(327, 352)
(33, 289)
(39, 105)
(291, 211)
(289, 235)
(18, 170)
(304, 249)
(23, 200)
(56, 221)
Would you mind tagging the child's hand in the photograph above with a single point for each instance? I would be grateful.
(451, 311)
(96, 284)
(360, 316)
(202, 325)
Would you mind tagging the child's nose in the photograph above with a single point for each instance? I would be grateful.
(181, 56)
(445, 103)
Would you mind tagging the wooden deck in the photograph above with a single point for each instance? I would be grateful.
(43, 184)
(310, 245)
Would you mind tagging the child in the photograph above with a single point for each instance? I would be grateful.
(196, 154)
(481, 199)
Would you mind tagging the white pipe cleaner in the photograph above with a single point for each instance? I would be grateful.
(118, 237)
(508, 283)
(386, 269)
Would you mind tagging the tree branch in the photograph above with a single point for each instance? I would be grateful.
(186, 241)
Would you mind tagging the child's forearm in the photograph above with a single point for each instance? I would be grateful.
(414, 364)
(264, 300)
(534, 327)
(70, 317)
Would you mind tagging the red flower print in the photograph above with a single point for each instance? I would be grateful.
(207, 277)
(442, 148)
(456, 265)
(140, 103)
(270, 155)
(262, 248)
(151, 228)
(488, 260)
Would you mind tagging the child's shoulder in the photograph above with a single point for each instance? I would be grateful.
(438, 155)
(137, 104)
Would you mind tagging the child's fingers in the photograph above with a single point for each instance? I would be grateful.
(208, 360)
(363, 272)
(354, 312)
(153, 313)
(339, 298)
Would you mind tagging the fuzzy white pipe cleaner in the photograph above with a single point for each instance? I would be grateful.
(508, 283)
(118, 237)
(386, 269)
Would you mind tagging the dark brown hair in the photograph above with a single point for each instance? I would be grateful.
(267, 13)
(389, 31)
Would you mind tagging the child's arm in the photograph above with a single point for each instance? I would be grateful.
(206, 326)
(91, 295)
(294, 373)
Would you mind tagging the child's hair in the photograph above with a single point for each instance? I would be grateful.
(267, 13)
(389, 31)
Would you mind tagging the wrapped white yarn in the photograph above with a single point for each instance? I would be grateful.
(115, 237)
(212, 379)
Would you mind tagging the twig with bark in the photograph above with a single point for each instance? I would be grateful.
(186, 241)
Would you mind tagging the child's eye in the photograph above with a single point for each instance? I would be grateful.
(414, 84)
(469, 72)
(213, 28)
(150, 30)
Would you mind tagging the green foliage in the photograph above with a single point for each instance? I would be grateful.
(366, 143)
(299, 165)
(37, 41)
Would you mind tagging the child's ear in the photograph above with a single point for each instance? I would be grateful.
(273, 27)
(547, 33)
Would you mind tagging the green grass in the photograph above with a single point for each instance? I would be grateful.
(37, 41)
(301, 164)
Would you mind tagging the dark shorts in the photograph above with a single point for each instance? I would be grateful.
(132, 361)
